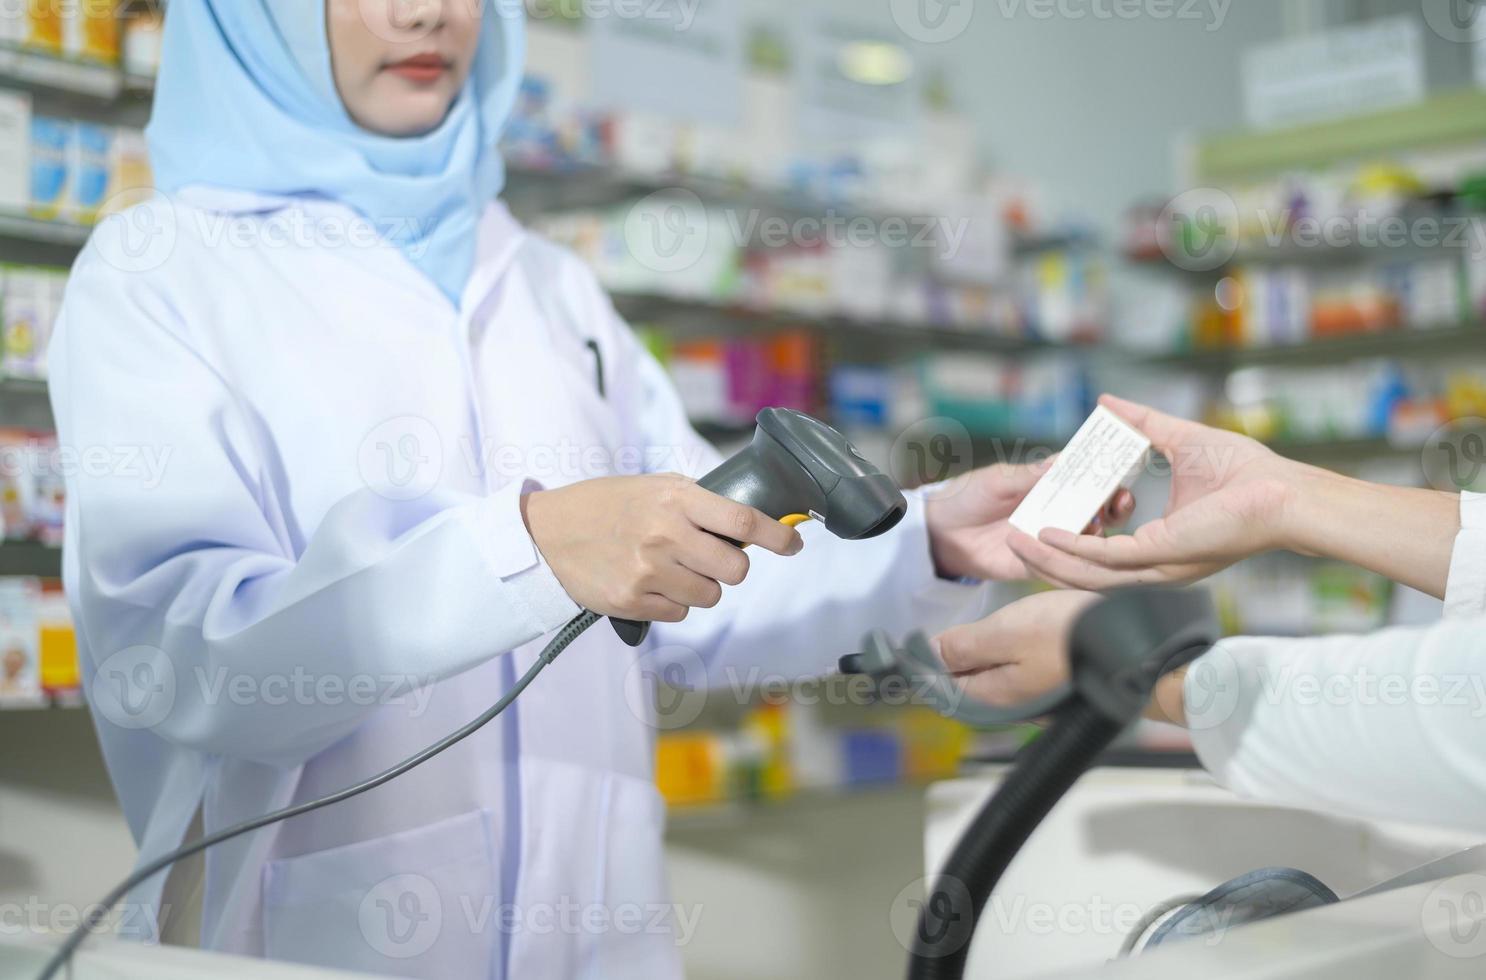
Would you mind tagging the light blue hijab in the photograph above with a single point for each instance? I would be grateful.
(246, 100)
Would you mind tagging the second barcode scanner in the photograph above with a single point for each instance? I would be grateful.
(796, 469)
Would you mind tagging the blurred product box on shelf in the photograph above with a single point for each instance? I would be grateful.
(83, 30)
(1475, 269)
(143, 33)
(30, 298)
(89, 168)
(538, 137)
(90, 30)
(1029, 398)
(57, 642)
(51, 142)
(665, 240)
(729, 381)
(128, 168)
(39, 24)
(1264, 305)
(38, 645)
(1066, 295)
(872, 756)
(861, 396)
(1286, 595)
(789, 744)
(689, 768)
(78, 170)
(1374, 398)
(15, 152)
(32, 490)
(20, 642)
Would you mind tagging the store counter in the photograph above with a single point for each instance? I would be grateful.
(102, 958)
(1124, 841)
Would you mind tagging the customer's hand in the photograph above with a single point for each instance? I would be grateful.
(639, 547)
(1017, 653)
(967, 520)
(1230, 499)
(1020, 652)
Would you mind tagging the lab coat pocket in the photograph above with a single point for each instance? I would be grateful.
(409, 904)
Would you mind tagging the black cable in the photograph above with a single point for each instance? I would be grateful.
(1045, 770)
(549, 653)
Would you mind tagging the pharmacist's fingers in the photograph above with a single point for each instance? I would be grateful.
(1113, 514)
(656, 608)
(1164, 431)
(1013, 480)
(741, 523)
(1118, 510)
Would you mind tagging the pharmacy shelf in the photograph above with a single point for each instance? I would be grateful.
(1395, 342)
(547, 190)
(60, 700)
(43, 71)
(1346, 452)
(703, 318)
(24, 228)
(1453, 119)
(732, 814)
(24, 404)
(575, 187)
(30, 558)
(992, 448)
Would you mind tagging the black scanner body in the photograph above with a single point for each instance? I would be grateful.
(797, 468)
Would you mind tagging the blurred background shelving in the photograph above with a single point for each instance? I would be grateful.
(983, 339)
(1175, 233)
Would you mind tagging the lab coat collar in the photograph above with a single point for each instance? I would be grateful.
(498, 236)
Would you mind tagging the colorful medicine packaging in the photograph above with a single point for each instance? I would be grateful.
(82, 30)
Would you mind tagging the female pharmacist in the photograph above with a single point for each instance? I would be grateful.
(1385, 725)
(405, 440)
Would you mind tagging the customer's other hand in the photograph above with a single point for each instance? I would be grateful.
(1018, 652)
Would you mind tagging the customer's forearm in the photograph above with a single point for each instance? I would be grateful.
(1404, 534)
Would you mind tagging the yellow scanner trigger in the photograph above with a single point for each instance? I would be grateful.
(794, 520)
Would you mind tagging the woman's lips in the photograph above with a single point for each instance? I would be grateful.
(424, 69)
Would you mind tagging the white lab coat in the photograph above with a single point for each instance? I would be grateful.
(336, 523)
(1390, 725)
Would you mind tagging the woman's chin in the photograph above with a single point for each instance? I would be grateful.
(403, 114)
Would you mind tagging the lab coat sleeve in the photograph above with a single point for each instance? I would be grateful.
(1465, 589)
(794, 617)
(196, 573)
(1386, 725)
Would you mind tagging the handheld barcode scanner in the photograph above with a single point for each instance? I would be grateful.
(797, 469)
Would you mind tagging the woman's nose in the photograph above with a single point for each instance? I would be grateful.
(418, 15)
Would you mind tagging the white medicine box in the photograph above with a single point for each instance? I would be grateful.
(15, 151)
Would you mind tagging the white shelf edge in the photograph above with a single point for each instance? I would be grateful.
(49, 71)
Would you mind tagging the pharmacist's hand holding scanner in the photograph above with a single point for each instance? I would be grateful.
(1232, 497)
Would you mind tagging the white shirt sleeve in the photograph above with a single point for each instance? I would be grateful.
(1389, 725)
(1386, 725)
(1465, 590)
(203, 575)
